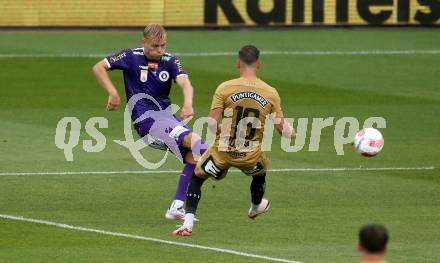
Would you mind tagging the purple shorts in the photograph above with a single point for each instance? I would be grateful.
(167, 128)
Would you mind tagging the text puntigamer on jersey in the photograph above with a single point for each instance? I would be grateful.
(249, 95)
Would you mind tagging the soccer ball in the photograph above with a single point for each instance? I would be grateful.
(368, 142)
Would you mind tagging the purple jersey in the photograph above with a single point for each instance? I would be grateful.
(142, 75)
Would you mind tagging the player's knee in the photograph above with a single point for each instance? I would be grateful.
(187, 140)
(198, 171)
(189, 158)
(196, 144)
(191, 139)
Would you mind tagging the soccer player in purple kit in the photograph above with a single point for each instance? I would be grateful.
(150, 70)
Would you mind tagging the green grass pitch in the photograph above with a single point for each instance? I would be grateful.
(315, 215)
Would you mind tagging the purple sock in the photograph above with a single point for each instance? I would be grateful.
(184, 180)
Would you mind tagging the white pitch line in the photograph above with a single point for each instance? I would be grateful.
(60, 55)
(145, 238)
(228, 53)
(341, 169)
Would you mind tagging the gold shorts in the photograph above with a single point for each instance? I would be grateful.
(216, 163)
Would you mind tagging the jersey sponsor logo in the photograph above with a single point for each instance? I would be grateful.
(237, 155)
(118, 57)
(144, 75)
(249, 95)
(179, 65)
(164, 76)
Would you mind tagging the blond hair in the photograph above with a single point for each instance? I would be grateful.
(154, 32)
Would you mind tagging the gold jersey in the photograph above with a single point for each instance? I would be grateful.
(246, 106)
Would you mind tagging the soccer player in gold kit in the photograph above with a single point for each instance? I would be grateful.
(245, 103)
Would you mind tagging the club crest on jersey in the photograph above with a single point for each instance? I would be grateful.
(164, 76)
(249, 95)
(144, 75)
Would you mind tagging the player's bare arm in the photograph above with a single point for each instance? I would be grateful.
(213, 117)
(187, 89)
(100, 70)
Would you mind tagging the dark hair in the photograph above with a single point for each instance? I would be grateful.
(373, 238)
(249, 54)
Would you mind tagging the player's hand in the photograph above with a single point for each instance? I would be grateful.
(187, 113)
(113, 102)
(293, 134)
